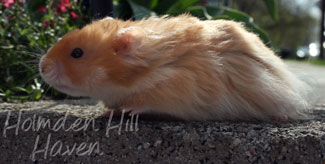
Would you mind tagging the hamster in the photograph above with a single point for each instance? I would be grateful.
(178, 66)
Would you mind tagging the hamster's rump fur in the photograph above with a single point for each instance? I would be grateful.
(179, 66)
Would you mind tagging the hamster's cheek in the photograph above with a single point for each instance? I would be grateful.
(90, 84)
(52, 72)
(64, 84)
(98, 76)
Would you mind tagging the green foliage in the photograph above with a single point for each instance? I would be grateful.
(32, 91)
(26, 33)
(272, 8)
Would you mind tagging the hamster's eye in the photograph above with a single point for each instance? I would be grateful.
(77, 53)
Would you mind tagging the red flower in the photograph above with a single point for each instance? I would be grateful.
(7, 3)
(48, 23)
(74, 15)
(204, 2)
(62, 6)
(66, 3)
(41, 9)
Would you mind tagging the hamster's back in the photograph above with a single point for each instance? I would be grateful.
(229, 73)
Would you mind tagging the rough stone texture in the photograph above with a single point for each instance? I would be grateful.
(156, 141)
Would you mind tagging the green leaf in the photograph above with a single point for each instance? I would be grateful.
(180, 6)
(21, 89)
(237, 15)
(47, 17)
(19, 97)
(162, 6)
(153, 4)
(210, 12)
(24, 31)
(29, 67)
(149, 4)
(200, 12)
(8, 92)
(261, 33)
(140, 12)
(38, 95)
(272, 7)
(2, 94)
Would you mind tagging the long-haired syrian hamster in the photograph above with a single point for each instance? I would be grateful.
(177, 66)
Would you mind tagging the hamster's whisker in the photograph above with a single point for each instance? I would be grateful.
(36, 48)
(35, 67)
(42, 51)
(33, 54)
(32, 63)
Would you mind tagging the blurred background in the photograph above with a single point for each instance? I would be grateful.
(296, 33)
(292, 28)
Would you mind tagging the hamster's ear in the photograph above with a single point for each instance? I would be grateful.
(128, 40)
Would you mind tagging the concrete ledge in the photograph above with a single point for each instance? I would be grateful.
(73, 132)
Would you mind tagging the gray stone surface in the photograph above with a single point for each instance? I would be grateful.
(156, 141)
